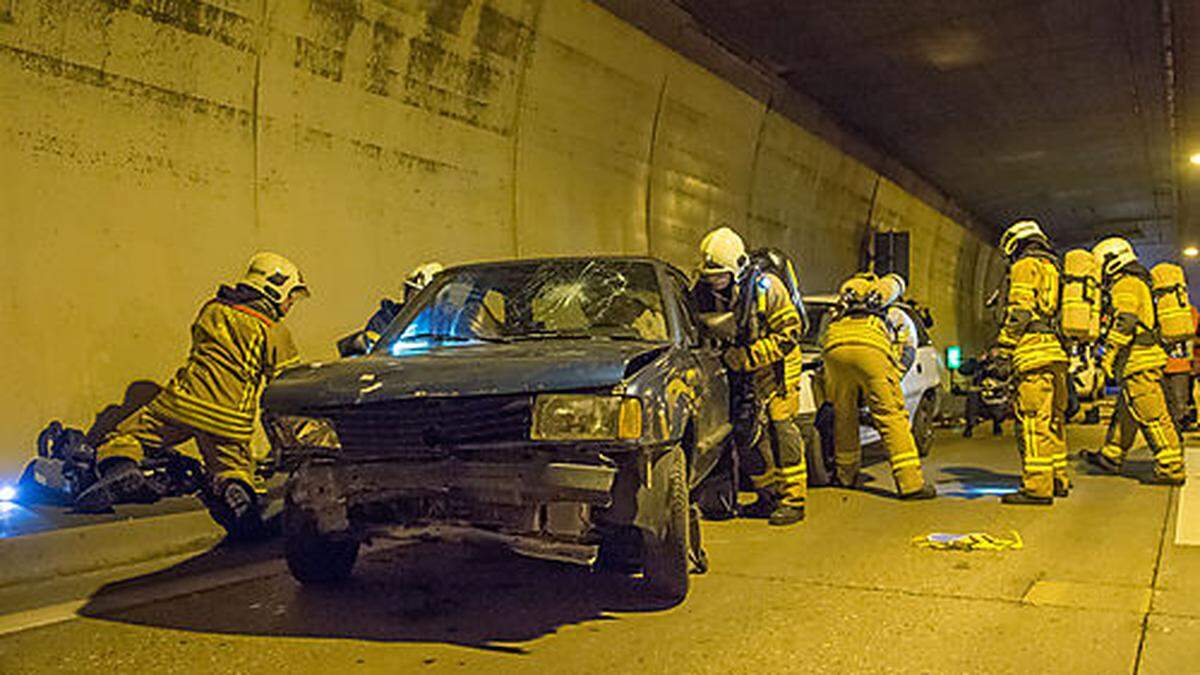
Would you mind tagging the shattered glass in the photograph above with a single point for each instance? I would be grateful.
(572, 299)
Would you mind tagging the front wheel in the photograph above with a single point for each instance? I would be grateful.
(312, 557)
(922, 426)
(665, 558)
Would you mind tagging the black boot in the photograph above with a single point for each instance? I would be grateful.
(786, 515)
(1062, 490)
(857, 483)
(1024, 498)
(927, 491)
(762, 507)
(1100, 461)
(1167, 479)
(235, 507)
(120, 481)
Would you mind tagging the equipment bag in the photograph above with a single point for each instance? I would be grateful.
(1080, 313)
(1171, 303)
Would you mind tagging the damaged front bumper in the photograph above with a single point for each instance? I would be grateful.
(539, 508)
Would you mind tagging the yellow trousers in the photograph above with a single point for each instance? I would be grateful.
(849, 370)
(776, 465)
(1142, 406)
(1041, 410)
(145, 433)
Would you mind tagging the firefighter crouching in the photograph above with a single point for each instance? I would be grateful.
(1029, 338)
(866, 350)
(357, 344)
(238, 345)
(766, 359)
(1134, 358)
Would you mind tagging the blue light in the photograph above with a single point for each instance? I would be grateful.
(953, 357)
(8, 493)
(410, 347)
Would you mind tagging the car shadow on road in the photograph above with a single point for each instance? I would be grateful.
(432, 593)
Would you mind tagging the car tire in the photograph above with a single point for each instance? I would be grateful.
(312, 558)
(819, 474)
(922, 425)
(665, 558)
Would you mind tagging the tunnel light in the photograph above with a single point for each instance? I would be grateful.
(8, 493)
(1191, 252)
(1195, 159)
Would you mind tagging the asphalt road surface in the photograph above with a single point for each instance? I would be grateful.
(1108, 581)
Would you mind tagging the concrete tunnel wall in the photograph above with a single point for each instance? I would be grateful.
(150, 146)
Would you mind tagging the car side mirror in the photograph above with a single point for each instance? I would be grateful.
(355, 344)
(719, 326)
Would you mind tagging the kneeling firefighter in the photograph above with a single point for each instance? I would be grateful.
(1029, 339)
(238, 345)
(765, 366)
(867, 350)
(1136, 360)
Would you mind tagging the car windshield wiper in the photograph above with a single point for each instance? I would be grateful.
(577, 335)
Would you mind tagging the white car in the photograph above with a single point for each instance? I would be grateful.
(921, 385)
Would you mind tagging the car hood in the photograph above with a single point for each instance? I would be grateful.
(461, 370)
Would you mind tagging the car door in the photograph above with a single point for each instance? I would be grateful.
(705, 378)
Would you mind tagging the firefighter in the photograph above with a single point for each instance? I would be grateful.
(765, 363)
(1029, 340)
(238, 345)
(361, 342)
(1135, 359)
(867, 350)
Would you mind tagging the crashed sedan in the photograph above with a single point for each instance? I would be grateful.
(564, 408)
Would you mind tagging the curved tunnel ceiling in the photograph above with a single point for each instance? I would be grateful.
(1059, 109)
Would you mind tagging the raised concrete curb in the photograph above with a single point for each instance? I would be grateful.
(82, 549)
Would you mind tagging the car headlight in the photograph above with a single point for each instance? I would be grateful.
(569, 417)
(297, 431)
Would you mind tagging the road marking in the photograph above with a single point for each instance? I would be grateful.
(1187, 518)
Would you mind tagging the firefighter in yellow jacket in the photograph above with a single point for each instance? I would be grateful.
(766, 357)
(1029, 340)
(866, 350)
(238, 345)
(1135, 359)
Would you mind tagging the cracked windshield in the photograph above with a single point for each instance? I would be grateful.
(584, 299)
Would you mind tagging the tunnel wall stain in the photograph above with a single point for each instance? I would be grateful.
(148, 147)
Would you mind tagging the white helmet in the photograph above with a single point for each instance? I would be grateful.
(1112, 254)
(421, 276)
(274, 276)
(723, 250)
(1020, 231)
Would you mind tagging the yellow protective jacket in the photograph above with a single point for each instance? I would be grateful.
(881, 329)
(1131, 345)
(1031, 314)
(238, 345)
(773, 351)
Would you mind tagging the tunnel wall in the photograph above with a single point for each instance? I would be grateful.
(147, 147)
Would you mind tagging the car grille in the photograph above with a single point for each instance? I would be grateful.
(431, 426)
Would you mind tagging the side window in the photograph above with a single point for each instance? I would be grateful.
(687, 313)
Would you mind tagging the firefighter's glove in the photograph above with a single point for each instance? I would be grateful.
(736, 359)
(1002, 363)
(1108, 363)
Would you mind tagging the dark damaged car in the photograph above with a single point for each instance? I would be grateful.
(564, 408)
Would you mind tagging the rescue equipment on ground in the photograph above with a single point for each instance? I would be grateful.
(66, 466)
(1080, 313)
(972, 541)
(1171, 304)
